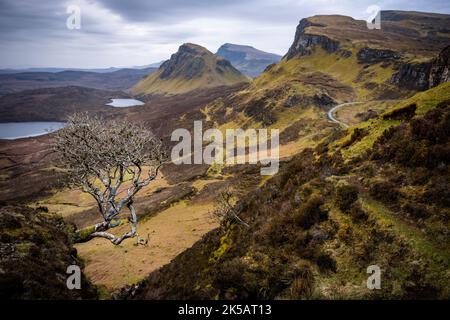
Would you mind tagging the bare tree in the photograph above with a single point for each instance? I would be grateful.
(111, 161)
(227, 210)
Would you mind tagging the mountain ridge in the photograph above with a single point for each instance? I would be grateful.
(421, 34)
(121, 79)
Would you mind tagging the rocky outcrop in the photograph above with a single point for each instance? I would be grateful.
(440, 68)
(292, 101)
(304, 42)
(189, 58)
(422, 76)
(412, 76)
(322, 101)
(35, 252)
(370, 55)
(346, 53)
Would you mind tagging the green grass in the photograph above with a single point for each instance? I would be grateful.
(345, 70)
(425, 101)
(412, 234)
(366, 143)
(225, 243)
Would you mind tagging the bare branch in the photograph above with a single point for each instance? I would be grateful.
(98, 156)
(226, 211)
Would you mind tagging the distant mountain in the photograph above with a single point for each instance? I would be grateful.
(121, 79)
(98, 70)
(55, 70)
(247, 59)
(192, 67)
(151, 65)
(55, 104)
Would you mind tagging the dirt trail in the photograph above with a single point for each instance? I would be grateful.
(332, 110)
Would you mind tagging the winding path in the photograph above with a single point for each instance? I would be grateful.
(332, 110)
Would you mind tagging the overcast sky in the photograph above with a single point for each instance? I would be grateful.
(123, 33)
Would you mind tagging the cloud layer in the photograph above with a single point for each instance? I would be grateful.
(139, 32)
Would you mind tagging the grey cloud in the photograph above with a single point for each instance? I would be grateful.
(119, 32)
(163, 10)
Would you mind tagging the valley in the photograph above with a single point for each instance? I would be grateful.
(364, 126)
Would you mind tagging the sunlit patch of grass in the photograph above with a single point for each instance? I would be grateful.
(200, 184)
(171, 231)
(292, 148)
(366, 143)
(426, 100)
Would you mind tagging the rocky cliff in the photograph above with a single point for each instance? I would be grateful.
(370, 55)
(425, 75)
(303, 41)
(412, 76)
(413, 33)
(440, 68)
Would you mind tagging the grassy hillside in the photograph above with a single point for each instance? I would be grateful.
(192, 67)
(333, 60)
(364, 135)
(375, 193)
(317, 226)
(331, 72)
(294, 96)
(55, 104)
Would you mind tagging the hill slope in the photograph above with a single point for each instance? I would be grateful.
(247, 59)
(374, 195)
(35, 251)
(192, 67)
(336, 59)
